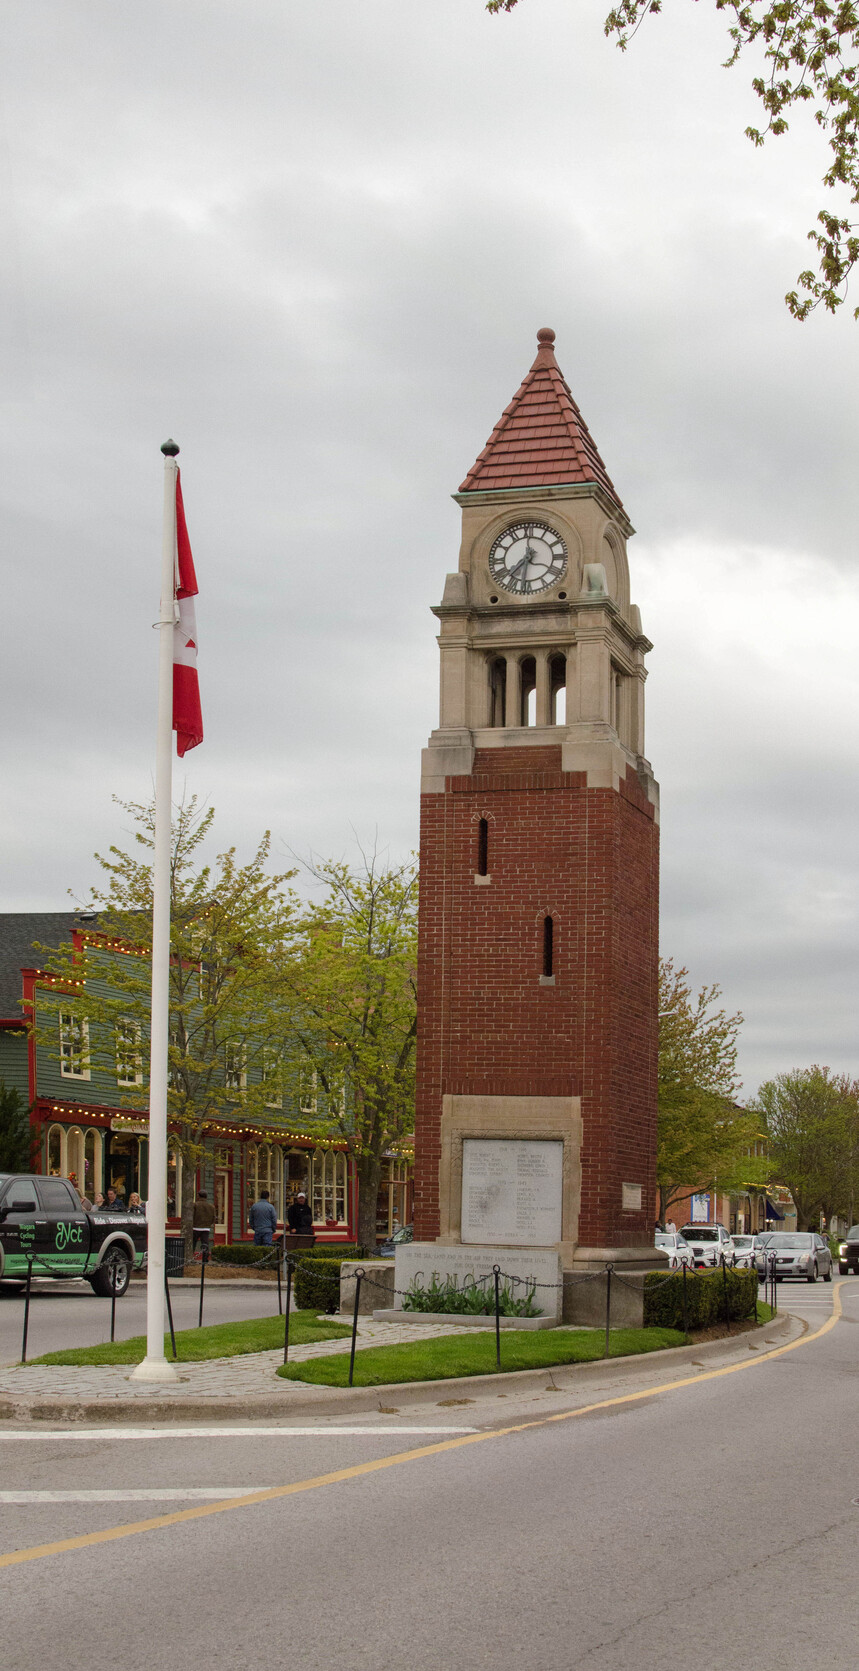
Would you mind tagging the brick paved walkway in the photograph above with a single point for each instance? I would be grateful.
(248, 1375)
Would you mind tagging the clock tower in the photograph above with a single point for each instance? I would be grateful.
(537, 1014)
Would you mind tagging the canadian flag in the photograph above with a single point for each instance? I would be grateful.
(187, 716)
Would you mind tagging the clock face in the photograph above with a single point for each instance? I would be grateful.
(528, 558)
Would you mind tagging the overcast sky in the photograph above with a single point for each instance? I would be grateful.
(314, 242)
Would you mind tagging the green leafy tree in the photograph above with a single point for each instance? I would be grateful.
(350, 996)
(16, 1134)
(704, 1138)
(812, 1120)
(231, 927)
(808, 53)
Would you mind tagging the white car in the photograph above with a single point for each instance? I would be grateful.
(708, 1243)
(678, 1249)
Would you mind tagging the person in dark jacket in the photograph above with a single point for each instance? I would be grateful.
(262, 1219)
(299, 1217)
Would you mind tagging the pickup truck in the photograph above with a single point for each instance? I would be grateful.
(43, 1225)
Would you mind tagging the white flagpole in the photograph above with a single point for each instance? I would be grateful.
(155, 1366)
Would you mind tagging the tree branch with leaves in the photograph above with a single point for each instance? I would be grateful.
(704, 1137)
(351, 998)
(810, 57)
(230, 925)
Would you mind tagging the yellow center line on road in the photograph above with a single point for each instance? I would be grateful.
(111, 1533)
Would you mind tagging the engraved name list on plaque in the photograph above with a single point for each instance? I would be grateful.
(512, 1191)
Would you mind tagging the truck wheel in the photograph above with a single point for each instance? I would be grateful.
(113, 1274)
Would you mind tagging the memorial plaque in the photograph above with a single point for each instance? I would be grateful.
(512, 1191)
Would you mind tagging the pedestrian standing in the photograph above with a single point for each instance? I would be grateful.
(262, 1219)
(204, 1220)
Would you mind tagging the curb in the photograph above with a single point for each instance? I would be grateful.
(344, 1400)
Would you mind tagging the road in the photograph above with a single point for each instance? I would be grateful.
(713, 1523)
(66, 1314)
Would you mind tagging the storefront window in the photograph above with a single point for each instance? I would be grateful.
(92, 1165)
(75, 1153)
(55, 1152)
(328, 1191)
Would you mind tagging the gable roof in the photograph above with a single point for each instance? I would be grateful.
(18, 932)
(541, 438)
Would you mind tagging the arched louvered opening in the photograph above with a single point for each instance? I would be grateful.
(528, 691)
(483, 847)
(548, 947)
(498, 691)
(558, 689)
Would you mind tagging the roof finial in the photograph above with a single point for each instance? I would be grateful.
(545, 347)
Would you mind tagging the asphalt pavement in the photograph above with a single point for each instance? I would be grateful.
(67, 1314)
(670, 1513)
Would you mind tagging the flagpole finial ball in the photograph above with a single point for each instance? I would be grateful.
(169, 449)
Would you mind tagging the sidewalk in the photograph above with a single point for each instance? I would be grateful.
(247, 1387)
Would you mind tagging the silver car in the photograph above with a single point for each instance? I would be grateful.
(795, 1253)
(744, 1251)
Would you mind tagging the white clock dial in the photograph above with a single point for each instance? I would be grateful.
(527, 558)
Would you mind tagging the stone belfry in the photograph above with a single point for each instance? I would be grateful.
(539, 840)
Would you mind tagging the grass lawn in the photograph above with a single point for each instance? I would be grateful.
(433, 1360)
(222, 1340)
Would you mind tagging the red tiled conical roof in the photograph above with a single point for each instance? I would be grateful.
(541, 438)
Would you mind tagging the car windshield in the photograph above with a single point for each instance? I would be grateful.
(663, 1238)
(743, 1241)
(852, 1234)
(783, 1238)
(701, 1232)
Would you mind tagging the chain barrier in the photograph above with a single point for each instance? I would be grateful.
(281, 1261)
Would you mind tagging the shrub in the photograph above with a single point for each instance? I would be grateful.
(706, 1293)
(317, 1283)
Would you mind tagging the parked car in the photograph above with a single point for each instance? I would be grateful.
(708, 1242)
(744, 1251)
(676, 1246)
(799, 1253)
(388, 1249)
(848, 1252)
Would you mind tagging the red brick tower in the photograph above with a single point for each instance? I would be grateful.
(539, 840)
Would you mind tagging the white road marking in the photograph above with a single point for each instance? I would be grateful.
(155, 1495)
(225, 1432)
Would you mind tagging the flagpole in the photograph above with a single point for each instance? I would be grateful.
(155, 1366)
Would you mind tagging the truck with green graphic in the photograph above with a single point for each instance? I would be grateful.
(45, 1229)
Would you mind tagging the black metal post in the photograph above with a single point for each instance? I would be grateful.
(288, 1303)
(170, 1313)
(607, 1310)
(113, 1306)
(26, 1310)
(725, 1289)
(279, 1295)
(496, 1272)
(685, 1306)
(204, 1255)
(359, 1275)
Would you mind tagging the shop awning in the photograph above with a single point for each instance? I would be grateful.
(773, 1212)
